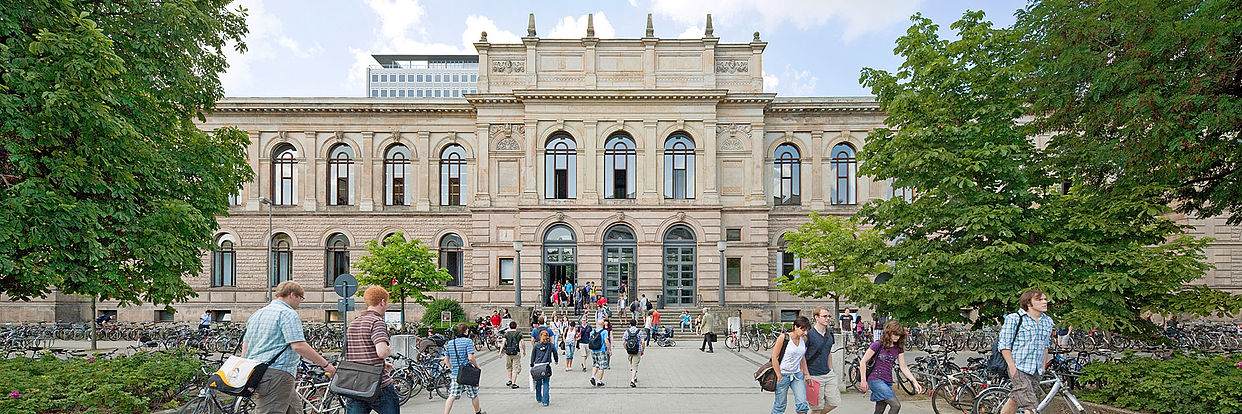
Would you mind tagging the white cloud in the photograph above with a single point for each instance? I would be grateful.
(770, 82)
(692, 32)
(396, 16)
(855, 17)
(266, 33)
(797, 82)
(575, 28)
(476, 24)
(394, 36)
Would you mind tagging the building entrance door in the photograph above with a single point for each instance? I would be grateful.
(619, 266)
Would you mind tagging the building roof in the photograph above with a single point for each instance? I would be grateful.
(387, 60)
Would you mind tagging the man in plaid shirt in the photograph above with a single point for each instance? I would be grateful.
(1025, 348)
(271, 332)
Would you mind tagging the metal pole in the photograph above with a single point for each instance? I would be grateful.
(517, 280)
(722, 278)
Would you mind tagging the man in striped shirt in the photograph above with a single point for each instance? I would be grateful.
(366, 341)
(1024, 343)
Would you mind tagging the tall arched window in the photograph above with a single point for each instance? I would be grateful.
(450, 257)
(336, 261)
(560, 166)
(619, 168)
(560, 260)
(678, 167)
(284, 175)
(620, 262)
(452, 175)
(787, 173)
(844, 168)
(282, 258)
(396, 168)
(340, 175)
(679, 267)
(224, 263)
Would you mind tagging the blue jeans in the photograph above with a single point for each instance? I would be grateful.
(797, 382)
(386, 404)
(569, 351)
(541, 391)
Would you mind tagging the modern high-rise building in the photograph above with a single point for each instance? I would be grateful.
(423, 76)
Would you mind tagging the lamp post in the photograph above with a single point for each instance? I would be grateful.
(264, 200)
(517, 274)
(721, 246)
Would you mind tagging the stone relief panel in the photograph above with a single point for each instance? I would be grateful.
(732, 66)
(508, 66)
(508, 137)
(730, 136)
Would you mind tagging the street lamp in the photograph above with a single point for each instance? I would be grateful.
(264, 200)
(517, 274)
(721, 246)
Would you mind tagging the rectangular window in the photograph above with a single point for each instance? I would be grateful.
(733, 271)
(400, 78)
(788, 265)
(733, 234)
(420, 93)
(375, 93)
(383, 78)
(437, 78)
(562, 184)
(374, 78)
(474, 78)
(420, 78)
(437, 93)
(454, 191)
(221, 315)
(456, 93)
(618, 183)
(163, 316)
(788, 315)
(383, 93)
(506, 271)
(401, 93)
(455, 79)
(334, 316)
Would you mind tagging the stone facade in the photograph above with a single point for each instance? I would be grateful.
(591, 89)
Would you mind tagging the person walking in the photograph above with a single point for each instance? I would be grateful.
(600, 345)
(789, 362)
(204, 323)
(623, 293)
(709, 331)
(367, 342)
(889, 351)
(509, 351)
(271, 332)
(570, 343)
(633, 340)
(1024, 341)
(584, 338)
(543, 353)
(819, 342)
(655, 324)
(458, 353)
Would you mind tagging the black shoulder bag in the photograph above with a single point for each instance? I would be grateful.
(996, 361)
(467, 374)
(355, 379)
(766, 375)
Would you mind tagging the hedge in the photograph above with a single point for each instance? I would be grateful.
(1182, 384)
(139, 383)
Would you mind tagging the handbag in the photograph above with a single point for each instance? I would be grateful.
(766, 375)
(467, 374)
(996, 361)
(240, 376)
(541, 371)
(355, 379)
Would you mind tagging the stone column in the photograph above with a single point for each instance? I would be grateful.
(423, 146)
(647, 191)
(262, 171)
(818, 191)
(309, 185)
(531, 177)
(759, 150)
(590, 161)
(707, 174)
(481, 179)
(366, 169)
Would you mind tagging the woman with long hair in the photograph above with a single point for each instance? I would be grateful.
(789, 363)
(889, 351)
(544, 353)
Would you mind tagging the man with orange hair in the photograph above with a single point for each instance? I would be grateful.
(366, 342)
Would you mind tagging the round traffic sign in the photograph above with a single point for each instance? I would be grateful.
(345, 285)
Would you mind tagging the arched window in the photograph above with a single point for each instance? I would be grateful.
(224, 263)
(560, 260)
(282, 258)
(396, 168)
(560, 166)
(844, 168)
(336, 261)
(390, 238)
(905, 193)
(619, 168)
(787, 173)
(620, 262)
(786, 261)
(678, 167)
(284, 175)
(450, 257)
(340, 175)
(452, 175)
(679, 267)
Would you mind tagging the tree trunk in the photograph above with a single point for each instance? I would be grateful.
(94, 325)
(403, 321)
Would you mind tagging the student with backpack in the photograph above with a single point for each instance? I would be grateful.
(1023, 342)
(542, 358)
(600, 344)
(509, 351)
(633, 339)
(789, 364)
(888, 352)
(584, 339)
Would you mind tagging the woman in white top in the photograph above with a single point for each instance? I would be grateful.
(789, 359)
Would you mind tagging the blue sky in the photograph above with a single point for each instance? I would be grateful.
(815, 48)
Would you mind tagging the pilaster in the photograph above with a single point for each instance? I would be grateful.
(818, 181)
(590, 161)
(366, 170)
(761, 169)
(423, 144)
(262, 171)
(482, 177)
(709, 176)
(648, 193)
(309, 186)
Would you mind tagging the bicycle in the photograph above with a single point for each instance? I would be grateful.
(210, 401)
(993, 399)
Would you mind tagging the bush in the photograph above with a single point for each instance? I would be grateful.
(432, 317)
(1183, 384)
(135, 384)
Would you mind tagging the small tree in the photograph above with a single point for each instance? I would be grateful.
(836, 258)
(406, 269)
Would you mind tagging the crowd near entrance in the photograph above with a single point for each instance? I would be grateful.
(560, 260)
(679, 278)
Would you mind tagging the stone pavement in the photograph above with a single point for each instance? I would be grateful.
(671, 380)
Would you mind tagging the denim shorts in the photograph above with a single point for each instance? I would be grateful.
(881, 390)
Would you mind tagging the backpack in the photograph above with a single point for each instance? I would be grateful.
(512, 345)
(632, 346)
(996, 361)
(766, 375)
(648, 304)
(597, 341)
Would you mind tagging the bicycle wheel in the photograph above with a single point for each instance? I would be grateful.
(851, 371)
(906, 384)
(745, 340)
(200, 405)
(731, 342)
(942, 399)
(991, 400)
(668, 342)
(405, 388)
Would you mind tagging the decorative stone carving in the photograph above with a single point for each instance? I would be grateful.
(681, 216)
(560, 216)
(508, 136)
(508, 66)
(732, 66)
(730, 136)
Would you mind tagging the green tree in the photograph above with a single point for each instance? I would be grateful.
(990, 218)
(1142, 91)
(407, 269)
(837, 258)
(107, 187)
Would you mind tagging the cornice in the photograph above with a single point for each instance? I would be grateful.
(601, 94)
(345, 105)
(788, 105)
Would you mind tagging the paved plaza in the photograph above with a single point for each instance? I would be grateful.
(671, 380)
